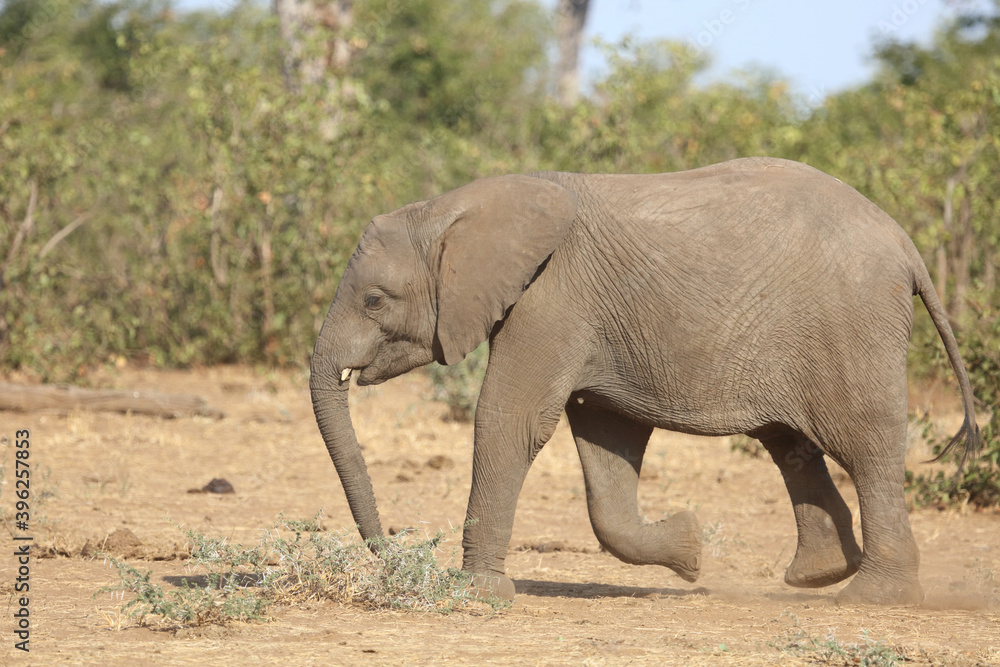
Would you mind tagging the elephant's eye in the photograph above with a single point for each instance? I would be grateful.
(374, 301)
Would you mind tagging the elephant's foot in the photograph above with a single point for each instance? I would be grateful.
(485, 586)
(685, 536)
(884, 592)
(898, 590)
(815, 568)
(674, 542)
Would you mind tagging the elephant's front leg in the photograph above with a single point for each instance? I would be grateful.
(511, 428)
(611, 449)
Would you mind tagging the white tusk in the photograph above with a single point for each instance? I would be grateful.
(346, 373)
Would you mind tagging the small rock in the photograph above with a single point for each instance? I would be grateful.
(547, 547)
(649, 472)
(440, 462)
(217, 485)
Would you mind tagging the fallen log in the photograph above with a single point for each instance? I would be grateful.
(64, 398)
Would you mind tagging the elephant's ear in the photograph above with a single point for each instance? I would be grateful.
(493, 235)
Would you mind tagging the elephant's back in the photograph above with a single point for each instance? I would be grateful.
(751, 215)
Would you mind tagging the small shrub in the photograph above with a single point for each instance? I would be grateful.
(458, 386)
(713, 537)
(746, 445)
(220, 601)
(832, 651)
(293, 562)
(978, 484)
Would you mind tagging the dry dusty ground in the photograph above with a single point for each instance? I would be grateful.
(96, 472)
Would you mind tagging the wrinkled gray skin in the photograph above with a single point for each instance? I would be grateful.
(756, 296)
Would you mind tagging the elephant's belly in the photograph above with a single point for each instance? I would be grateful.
(707, 417)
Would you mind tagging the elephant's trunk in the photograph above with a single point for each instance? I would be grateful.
(329, 399)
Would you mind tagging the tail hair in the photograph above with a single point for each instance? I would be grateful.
(973, 445)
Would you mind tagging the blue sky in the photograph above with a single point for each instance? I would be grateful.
(819, 47)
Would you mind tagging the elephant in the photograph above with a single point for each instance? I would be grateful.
(756, 296)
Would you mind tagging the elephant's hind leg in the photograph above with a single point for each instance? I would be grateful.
(888, 572)
(611, 449)
(826, 551)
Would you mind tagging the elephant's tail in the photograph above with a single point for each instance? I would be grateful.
(970, 430)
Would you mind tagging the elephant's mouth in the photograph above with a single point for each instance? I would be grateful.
(364, 377)
(387, 363)
(369, 381)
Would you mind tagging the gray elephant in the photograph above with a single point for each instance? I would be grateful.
(756, 296)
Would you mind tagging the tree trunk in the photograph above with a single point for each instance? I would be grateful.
(64, 399)
(966, 248)
(316, 46)
(265, 256)
(989, 271)
(941, 253)
(219, 270)
(571, 15)
(941, 273)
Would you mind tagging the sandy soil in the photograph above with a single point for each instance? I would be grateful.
(95, 472)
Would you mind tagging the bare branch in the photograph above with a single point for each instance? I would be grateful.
(22, 232)
(63, 233)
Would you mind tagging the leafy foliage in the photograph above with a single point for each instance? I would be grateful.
(458, 386)
(979, 482)
(425, 72)
(747, 446)
(177, 204)
(920, 141)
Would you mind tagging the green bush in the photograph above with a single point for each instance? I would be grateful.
(746, 445)
(208, 211)
(978, 483)
(458, 386)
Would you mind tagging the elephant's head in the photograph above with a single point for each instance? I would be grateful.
(427, 282)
